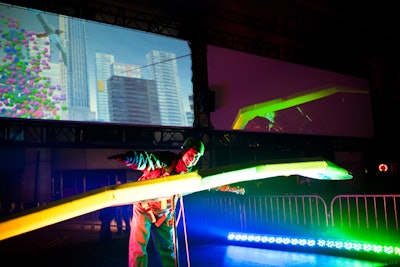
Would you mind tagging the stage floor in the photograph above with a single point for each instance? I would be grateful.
(235, 256)
(55, 246)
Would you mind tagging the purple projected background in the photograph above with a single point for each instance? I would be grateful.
(240, 80)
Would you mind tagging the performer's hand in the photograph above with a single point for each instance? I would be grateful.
(233, 189)
(238, 190)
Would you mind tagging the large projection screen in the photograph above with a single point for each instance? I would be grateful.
(259, 94)
(55, 67)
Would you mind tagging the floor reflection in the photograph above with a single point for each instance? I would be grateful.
(236, 256)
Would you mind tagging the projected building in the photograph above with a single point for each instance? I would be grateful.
(133, 100)
(103, 72)
(62, 65)
(163, 69)
(77, 76)
(105, 68)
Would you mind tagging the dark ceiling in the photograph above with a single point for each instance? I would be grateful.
(361, 28)
(347, 25)
(344, 36)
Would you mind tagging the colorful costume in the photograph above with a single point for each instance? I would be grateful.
(153, 216)
(157, 216)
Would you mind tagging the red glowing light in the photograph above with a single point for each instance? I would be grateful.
(383, 167)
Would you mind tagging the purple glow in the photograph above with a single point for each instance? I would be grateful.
(240, 80)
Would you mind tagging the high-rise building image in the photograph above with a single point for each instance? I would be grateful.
(163, 69)
(133, 101)
(105, 68)
(77, 75)
(103, 72)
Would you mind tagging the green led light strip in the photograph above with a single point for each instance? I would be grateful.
(357, 246)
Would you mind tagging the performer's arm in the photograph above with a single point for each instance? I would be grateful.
(138, 160)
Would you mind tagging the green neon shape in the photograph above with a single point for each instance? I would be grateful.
(267, 109)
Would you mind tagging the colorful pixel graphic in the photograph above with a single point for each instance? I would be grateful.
(25, 92)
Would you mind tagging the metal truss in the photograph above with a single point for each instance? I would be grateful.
(42, 133)
(222, 147)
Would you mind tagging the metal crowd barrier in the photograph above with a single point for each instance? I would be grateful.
(357, 217)
(366, 216)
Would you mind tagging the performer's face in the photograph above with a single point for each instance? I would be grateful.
(191, 157)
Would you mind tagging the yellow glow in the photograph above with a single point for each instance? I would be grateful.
(116, 195)
(316, 169)
(81, 204)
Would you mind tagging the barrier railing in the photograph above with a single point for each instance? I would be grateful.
(286, 213)
(351, 217)
(366, 216)
(370, 211)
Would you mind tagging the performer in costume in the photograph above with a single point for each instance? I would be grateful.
(156, 217)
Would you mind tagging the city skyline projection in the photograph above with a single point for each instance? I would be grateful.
(56, 67)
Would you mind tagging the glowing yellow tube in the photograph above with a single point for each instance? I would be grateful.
(81, 204)
(316, 169)
(108, 196)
